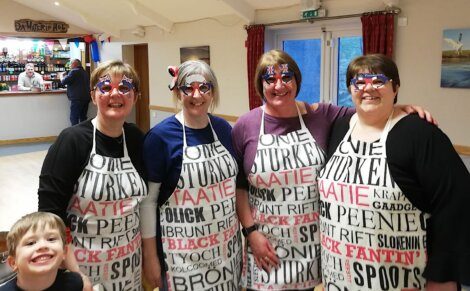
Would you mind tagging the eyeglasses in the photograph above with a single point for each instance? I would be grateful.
(376, 80)
(189, 90)
(123, 87)
(285, 78)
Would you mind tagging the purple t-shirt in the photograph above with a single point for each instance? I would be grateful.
(246, 131)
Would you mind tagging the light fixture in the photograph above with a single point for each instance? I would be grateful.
(310, 4)
(391, 3)
(139, 31)
(56, 3)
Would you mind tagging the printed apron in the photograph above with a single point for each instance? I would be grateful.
(200, 229)
(372, 236)
(284, 199)
(104, 220)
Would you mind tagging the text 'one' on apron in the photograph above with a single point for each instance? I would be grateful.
(373, 238)
(104, 219)
(200, 229)
(284, 200)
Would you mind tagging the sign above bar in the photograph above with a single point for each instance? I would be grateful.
(28, 25)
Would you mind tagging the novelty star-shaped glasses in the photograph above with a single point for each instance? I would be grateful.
(124, 87)
(284, 77)
(189, 90)
(375, 80)
(271, 77)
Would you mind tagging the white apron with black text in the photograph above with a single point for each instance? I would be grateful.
(372, 236)
(284, 200)
(200, 229)
(104, 220)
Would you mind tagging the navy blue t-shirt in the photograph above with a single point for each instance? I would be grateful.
(163, 152)
(163, 149)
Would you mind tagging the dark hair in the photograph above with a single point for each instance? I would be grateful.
(272, 58)
(375, 64)
(76, 62)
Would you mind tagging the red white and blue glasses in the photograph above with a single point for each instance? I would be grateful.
(105, 86)
(189, 90)
(377, 81)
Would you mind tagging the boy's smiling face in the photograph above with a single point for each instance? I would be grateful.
(38, 252)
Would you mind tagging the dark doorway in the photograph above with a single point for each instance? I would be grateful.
(141, 65)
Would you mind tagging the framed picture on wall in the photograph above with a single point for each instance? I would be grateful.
(455, 67)
(195, 53)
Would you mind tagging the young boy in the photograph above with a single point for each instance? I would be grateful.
(36, 249)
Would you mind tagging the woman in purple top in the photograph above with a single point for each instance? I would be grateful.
(280, 149)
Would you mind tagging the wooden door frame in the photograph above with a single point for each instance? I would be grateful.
(142, 111)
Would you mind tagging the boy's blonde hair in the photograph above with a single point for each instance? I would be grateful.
(32, 222)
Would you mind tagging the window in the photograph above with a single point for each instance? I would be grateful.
(349, 47)
(307, 54)
(323, 52)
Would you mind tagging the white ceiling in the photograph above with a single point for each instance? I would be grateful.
(111, 16)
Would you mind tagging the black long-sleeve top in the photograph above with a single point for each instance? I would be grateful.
(69, 155)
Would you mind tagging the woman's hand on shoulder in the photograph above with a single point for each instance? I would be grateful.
(423, 113)
(314, 106)
(263, 252)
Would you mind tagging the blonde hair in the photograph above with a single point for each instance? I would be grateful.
(32, 222)
(114, 68)
(190, 68)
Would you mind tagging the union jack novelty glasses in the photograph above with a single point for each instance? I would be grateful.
(271, 77)
(375, 80)
(105, 86)
(189, 90)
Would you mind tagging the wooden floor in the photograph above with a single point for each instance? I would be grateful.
(19, 179)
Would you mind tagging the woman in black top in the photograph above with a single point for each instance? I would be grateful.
(393, 194)
(92, 177)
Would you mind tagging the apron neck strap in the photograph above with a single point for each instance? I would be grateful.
(263, 109)
(383, 135)
(216, 138)
(93, 150)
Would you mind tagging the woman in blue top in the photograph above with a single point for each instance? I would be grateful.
(190, 213)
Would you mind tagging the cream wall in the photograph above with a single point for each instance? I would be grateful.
(227, 56)
(11, 11)
(226, 39)
(418, 55)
